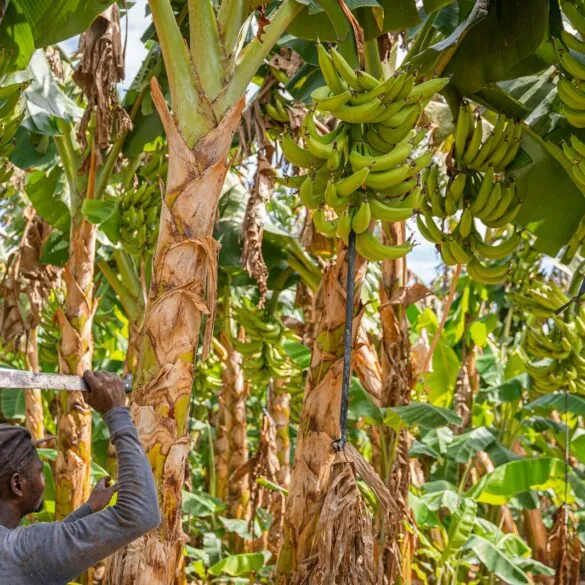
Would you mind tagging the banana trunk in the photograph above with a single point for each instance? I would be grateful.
(279, 409)
(235, 390)
(397, 376)
(221, 449)
(537, 535)
(72, 467)
(319, 425)
(33, 400)
(182, 294)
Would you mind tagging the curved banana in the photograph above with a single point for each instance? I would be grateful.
(371, 249)
(484, 192)
(498, 251)
(472, 148)
(461, 130)
(352, 183)
(487, 274)
(360, 221)
(295, 154)
(328, 70)
(324, 226)
(387, 179)
(383, 162)
(344, 69)
(328, 102)
(385, 212)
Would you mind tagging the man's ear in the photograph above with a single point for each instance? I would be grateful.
(16, 485)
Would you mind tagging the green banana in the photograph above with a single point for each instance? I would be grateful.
(498, 251)
(570, 95)
(383, 162)
(484, 192)
(474, 145)
(371, 249)
(427, 89)
(361, 218)
(352, 183)
(344, 226)
(494, 274)
(385, 212)
(326, 227)
(295, 154)
(492, 202)
(457, 186)
(333, 198)
(325, 101)
(424, 230)
(387, 179)
(461, 131)
(508, 196)
(466, 223)
(306, 195)
(360, 114)
(344, 69)
(328, 70)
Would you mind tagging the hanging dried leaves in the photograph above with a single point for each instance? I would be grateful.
(26, 282)
(343, 549)
(252, 259)
(565, 548)
(101, 67)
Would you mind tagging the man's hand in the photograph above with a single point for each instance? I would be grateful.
(102, 494)
(106, 391)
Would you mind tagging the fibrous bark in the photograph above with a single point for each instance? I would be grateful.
(279, 410)
(72, 467)
(182, 293)
(397, 376)
(33, 400)
(234, 395)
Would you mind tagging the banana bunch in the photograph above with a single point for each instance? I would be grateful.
(139, 208)
(264, 354)
(574, 154)
(571, 52)
(139, 214)
(365, 166)
(540, 298)
(558, 349)
(458, 204)
(277, 108)
(11, 115)
(497, 151)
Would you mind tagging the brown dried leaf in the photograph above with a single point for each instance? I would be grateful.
(253, 231)
(100, 68)
(408, 295)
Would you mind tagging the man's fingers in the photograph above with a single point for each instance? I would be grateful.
(90, 378)
(114, 488)
(101, 484)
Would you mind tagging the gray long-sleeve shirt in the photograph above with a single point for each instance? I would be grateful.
(55, 553)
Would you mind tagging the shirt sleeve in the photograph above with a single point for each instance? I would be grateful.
(57, 552)
(81, 512)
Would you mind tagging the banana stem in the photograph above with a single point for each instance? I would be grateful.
(254, 54)
(372, 57)
(446, 309)
(422, 38)
(191, 109)
(128, 301)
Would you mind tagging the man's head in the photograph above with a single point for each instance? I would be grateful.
(22, 481)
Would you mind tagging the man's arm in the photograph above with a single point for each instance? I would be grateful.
(100, 497)
(58, 552)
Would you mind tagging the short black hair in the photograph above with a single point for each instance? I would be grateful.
(22, 467)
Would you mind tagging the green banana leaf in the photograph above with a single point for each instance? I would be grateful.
(556, 401)
(32, 24)
(461, 527)
(238, 565)
(48, 192)
(466, 445)
(536, 473)
(496, 561)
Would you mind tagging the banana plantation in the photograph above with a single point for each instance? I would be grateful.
(339, 246)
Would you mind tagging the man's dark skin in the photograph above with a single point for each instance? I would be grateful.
(23, 493)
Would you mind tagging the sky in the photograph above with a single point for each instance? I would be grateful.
(423, 260)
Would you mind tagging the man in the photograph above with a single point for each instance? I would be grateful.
(55, 553)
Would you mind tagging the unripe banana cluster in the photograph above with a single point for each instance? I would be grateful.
(465, 199)
(11, 115)
(496, 152)
(276, 108)
(575, 157)
(367, 167)
(140, 208)
(571, 53)
(139, 213)
(264, 354)
(554, 343)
